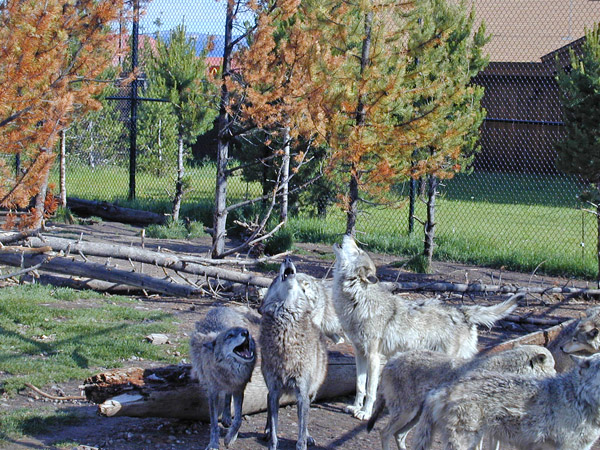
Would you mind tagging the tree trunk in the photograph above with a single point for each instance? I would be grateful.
(361, 113)
(40, 201)
(179, 182)
(223, 124)
(285, 174)
(430, 222)
(63, 168)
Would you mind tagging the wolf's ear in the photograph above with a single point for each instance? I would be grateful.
(209, 345)
(539, 359)
(582, 361)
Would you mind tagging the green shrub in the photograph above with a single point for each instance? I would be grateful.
(280, 241)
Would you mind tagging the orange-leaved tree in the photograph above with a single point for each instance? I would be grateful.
(52, 54)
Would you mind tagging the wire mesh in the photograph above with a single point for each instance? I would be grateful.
(514, 209)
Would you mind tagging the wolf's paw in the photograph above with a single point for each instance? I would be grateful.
(352, 409)
(362, 414)
(310, 441)
(212, 446)
(230, 439)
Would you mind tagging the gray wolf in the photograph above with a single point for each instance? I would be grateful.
(560, 412)
(318, 293)
(223, 355)
(378, 322)
(294, 355)
(581, 337)
(410, 376)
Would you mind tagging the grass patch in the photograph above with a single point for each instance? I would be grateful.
(45, 337)
(516, 221)
(175, 230)
(28, 421)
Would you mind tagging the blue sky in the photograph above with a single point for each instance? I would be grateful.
(200, 16)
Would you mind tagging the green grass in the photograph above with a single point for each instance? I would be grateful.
(45, 337)
(517, 221)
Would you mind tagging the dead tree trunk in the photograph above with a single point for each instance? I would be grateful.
(285, 175)
(67, 266)
(110, 211)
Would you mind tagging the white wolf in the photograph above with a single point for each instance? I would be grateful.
(223, 355)
(558, 413)
(293, 348)
(378, 322)
(410, 376)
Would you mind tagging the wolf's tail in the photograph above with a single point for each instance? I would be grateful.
(488, 315)
(377, 410)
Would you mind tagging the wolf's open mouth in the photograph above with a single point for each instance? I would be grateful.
(287, 272)
(244, 350)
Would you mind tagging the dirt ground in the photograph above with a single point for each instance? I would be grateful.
(331, 427)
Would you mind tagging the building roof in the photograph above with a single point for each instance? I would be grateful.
(527, 30)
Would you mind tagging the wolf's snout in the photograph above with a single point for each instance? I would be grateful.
(287, 269)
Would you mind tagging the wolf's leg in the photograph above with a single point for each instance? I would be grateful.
(213, 410)
(395, 428)
(303, 409)
(361, 381)
(238, 399)
(273, 416)
(226, 413)
(373, 362)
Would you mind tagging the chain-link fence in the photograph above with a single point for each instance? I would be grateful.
(514, 209)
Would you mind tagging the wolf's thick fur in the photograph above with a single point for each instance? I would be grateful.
(294, 355)
(560, 412)
(581, 338)
(319, 295)
(410, 376)
(223, 355)
(378, 322)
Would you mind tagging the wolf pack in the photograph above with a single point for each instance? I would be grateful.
(434, 381)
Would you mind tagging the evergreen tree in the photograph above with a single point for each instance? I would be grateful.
(175, 72)
(579, 151)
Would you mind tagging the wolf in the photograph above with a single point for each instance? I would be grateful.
(318, 293)
(410, 376)
(294, 355)
(378, 322)
(559, 412)
(581, 337)
(223, 355)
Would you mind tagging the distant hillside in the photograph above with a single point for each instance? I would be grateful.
(201, 41)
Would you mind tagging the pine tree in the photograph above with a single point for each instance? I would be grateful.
(177, 73)
(579, 151)
(50, 54)
(389, 88)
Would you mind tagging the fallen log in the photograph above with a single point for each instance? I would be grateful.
(480, 288)
(169, 391)
(110, 211)
(67, 266)
(81, 283)
(169, 261)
